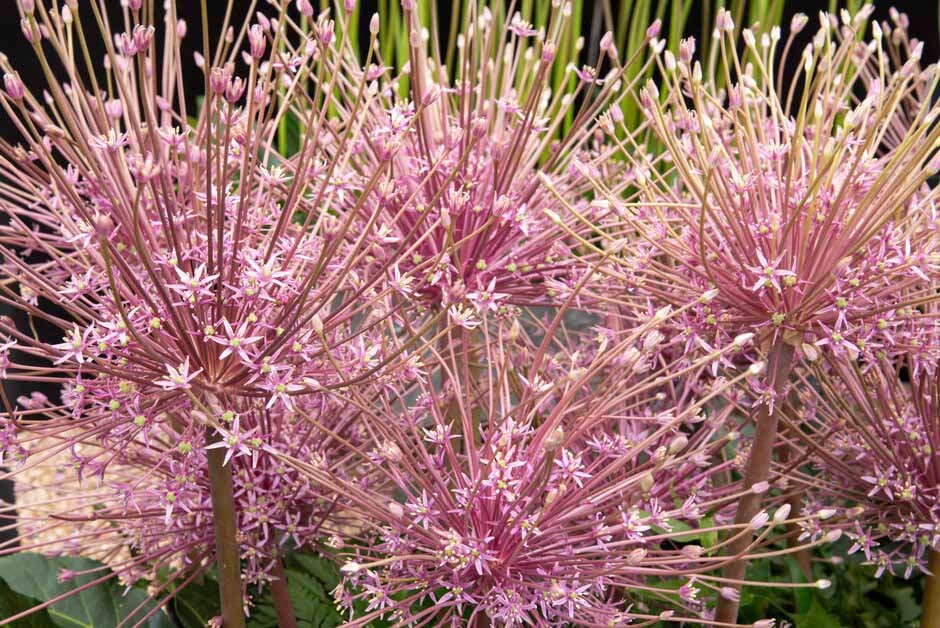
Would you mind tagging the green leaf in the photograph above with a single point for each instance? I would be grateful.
(197, 603)
(319, 567)
(11, 603)
(103, 605)
(310, 579)
(804, 595)
(816, 617)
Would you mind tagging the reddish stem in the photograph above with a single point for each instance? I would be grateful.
(779, 365)
(286, 618)
(226, 543)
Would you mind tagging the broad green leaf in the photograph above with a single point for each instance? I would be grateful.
(12, 603)
(102, 605)
(197, 603)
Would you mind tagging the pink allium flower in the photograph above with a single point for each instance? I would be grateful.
(147, 489)
(205, 289)
(451, 167)
(545, 504)
(870, 440)
(812, 229)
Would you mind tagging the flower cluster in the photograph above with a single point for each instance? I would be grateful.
(450, 320)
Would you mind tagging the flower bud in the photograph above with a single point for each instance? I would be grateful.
(825, 513)
(833, 535)
(782, 513)
(759, 488)
(759, 520)
(13, 86)
(350, 568)
(305, 7)
(636, 556)
(678, 443)
(256, 41)
(104, 226)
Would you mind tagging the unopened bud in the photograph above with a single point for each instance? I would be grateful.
(759, 520)
(782, 513)
(810, 352)
(759, 488)
(256, 41)
(13, 86)
(708, 296)
(636, 556)
(305, 7)
(678, 443)
(351, 568)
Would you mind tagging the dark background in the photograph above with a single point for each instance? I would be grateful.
(923, 25)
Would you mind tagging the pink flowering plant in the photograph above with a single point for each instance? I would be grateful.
(443, 337)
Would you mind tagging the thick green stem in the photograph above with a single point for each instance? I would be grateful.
(286, 618)
(226, 543)
(930, 607)
(779, 364)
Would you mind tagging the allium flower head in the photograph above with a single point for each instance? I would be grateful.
(814, 226)
(202, 285)
(550, 495)
(870, 444)
(451, 164)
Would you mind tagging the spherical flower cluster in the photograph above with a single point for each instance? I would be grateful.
(453, 170)
(520, 506)
(813, 230)
(197, 316)
(870, 441)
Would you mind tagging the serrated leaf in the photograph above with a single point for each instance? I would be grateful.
(103, 605)
(321, 568)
